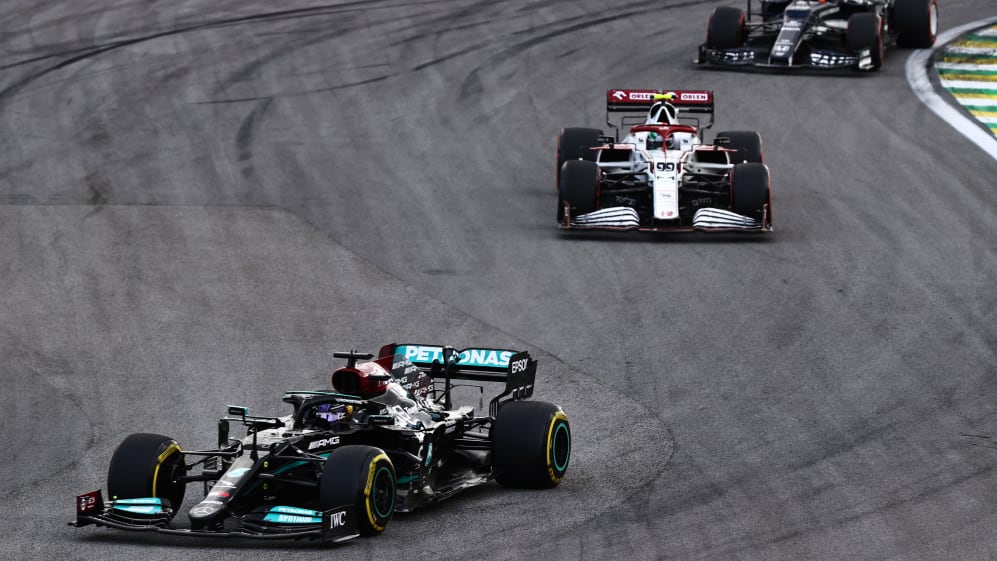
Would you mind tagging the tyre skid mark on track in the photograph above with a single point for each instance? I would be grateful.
(620, 12)
(244, 138)
(337, 87)
(576, 24)
(248, 71)
(84, 53)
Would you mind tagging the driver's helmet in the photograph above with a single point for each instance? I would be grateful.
(653, 141)
(325, 415)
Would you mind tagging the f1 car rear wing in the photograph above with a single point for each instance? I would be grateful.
(515, 368)
(688, 103)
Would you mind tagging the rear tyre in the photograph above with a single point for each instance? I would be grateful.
(725, 29)
(750, 190)
(362, 476)
(147, 465)
(579, 187)
(865, 32)
(916, 23)
(747, 143)
(531, 444)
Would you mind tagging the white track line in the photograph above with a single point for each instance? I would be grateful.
(918, 64)
(967, 66)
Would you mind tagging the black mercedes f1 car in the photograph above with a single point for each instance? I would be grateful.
(825, 34)
(384, 438)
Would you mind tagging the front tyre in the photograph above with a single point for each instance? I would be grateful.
(362, 476)
(865, 32)
(579, 188)
(916, 23)
(147, 465)
(750, 191)
(725, 29)
(531, 444)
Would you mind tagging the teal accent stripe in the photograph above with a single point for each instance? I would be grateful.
(140, 509)
(280, 470)
(295, 510)
(291, 519)
(140, 501)
(292, 465)
(976, 37)
(288, 467)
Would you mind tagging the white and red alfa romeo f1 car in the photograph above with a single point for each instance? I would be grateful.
(661, 176)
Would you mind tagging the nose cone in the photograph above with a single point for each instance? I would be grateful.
(210, 511)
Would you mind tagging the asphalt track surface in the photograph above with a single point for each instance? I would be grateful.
(201, 201)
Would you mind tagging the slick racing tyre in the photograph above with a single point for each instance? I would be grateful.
(362, 476)
(865, 32)
(574, 143)
(750, 191)
(916, 23)
(531, 444)
(579, 188)
(725, 29)
(747, 143)
(147, 465)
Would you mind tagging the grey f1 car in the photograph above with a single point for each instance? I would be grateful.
(384, 438)
(824, 34)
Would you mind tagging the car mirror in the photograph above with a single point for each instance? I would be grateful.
(238, 410)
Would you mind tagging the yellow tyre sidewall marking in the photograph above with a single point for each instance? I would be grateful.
(371, 516)
(559, 416)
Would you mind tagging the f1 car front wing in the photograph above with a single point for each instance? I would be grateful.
(270, 522)
(705, 219)
(820, 59)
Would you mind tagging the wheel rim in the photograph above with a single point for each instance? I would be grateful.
(558, 447)
(560, 450)
(382, 497)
